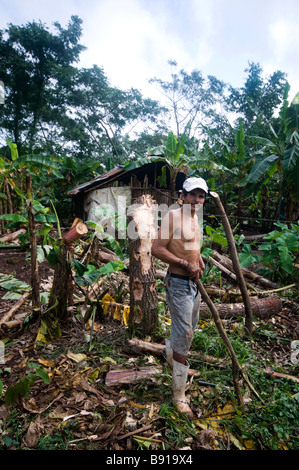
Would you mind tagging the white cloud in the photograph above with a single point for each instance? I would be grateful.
(131, 43)
(134, 39)
(284, 38)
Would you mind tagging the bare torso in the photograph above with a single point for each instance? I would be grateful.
(185, 240)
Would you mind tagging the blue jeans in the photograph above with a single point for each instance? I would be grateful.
(183, 300)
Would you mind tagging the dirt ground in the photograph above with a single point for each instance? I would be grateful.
(76, 390)
(14, 262)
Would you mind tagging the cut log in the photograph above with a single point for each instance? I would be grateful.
(11, 312)
(118, 377)
(247, 273)
(12, 324)
(261, 308)
(153, 348)
(160, 349)
(105, 256)
(12, 237)
(77, 230)
(207, 359)
(253, 238)
(224, 269)
(279, 375)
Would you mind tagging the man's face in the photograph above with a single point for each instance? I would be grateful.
(194, 198)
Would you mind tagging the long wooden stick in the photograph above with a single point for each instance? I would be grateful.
(236, 367)
(35, 278)
(235, 260)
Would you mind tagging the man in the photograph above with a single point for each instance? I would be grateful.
(178, 244)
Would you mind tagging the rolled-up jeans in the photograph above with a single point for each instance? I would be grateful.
(183, 300)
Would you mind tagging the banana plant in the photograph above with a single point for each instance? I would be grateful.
(279, 158)
(179, 155)
(13, 172)
(172, 152)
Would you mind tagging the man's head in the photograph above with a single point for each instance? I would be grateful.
(194, 193)
(195, 183)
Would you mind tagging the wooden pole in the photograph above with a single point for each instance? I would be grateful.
(35, 280)
(236, 367)
(235, 260)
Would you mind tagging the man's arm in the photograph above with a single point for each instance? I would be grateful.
(159, 246)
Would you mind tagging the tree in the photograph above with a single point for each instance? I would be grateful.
(278, 159)
(54, 107)
(194, 101)
(105, 115)
(258, 99)
(36, 70)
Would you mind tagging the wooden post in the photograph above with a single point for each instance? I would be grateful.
(236, 367)
(143, 296)
(235, 261)
(35, 280)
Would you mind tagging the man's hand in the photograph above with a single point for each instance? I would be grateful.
(193, 270)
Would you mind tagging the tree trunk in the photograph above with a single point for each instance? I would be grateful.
(8, 196)
(35, 281)
(143, 296)
(62, 290)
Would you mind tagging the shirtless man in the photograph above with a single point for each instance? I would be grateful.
(178, 244)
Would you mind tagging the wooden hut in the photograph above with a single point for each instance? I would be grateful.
(128, 183)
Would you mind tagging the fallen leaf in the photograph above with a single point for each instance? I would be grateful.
(33, 433)
(76, 357)
(46, 362)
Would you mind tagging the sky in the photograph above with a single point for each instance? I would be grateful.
(133, 40)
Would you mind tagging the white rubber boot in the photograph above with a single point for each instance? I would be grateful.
(169, 352)
(179, 379)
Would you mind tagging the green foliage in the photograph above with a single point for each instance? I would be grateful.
(259, 425)
(87, 275)
(15, 287)
(216, 236)
(247, 257)
(22, 387)
(280, 251)
(272, 425)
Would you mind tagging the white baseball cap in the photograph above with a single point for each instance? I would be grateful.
(195, 183)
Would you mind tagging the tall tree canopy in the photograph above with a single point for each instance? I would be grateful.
(36, 68)
(53, 105)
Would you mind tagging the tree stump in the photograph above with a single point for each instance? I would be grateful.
(143, 295)
(62, 290)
